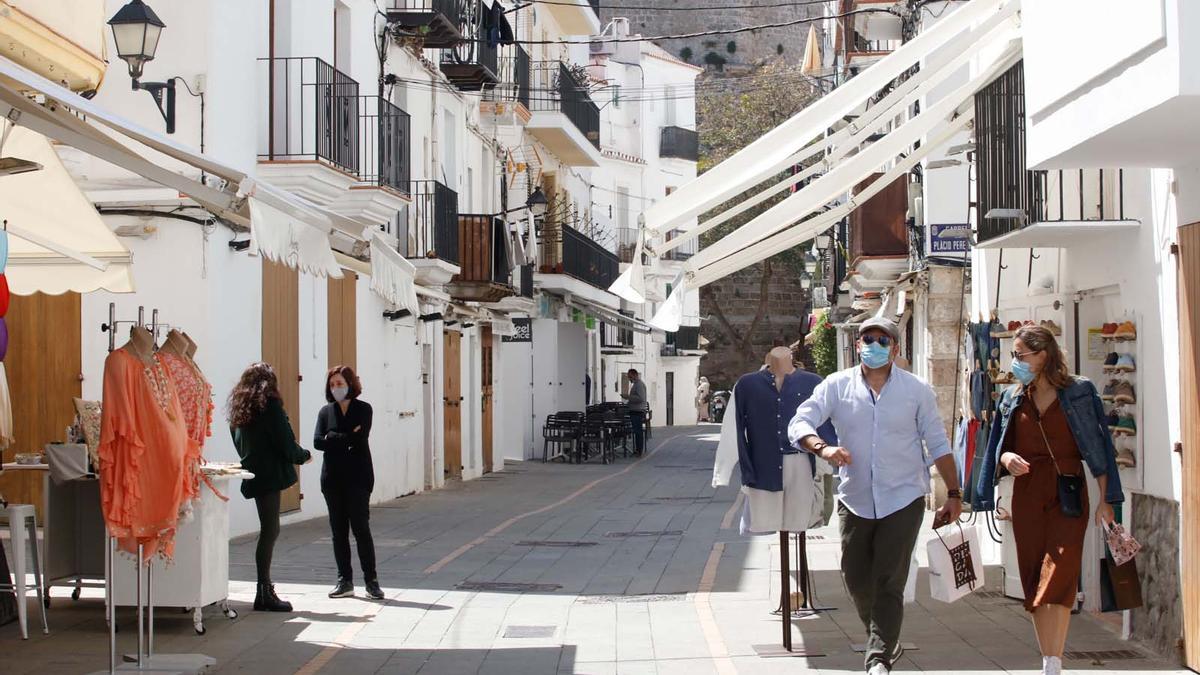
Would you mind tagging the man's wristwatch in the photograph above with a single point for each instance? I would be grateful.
(818, 447)
(954, 494)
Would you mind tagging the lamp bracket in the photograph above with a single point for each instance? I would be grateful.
(160, 91)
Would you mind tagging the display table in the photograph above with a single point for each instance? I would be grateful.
(199, 574)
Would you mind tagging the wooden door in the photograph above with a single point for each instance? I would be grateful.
(452, 399)
(281, 348)
(485, 379)
(1189, 363)
(343, 321)
(670, 398)
(44, 368)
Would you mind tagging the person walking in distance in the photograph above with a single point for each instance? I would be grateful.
(1048, 426)
(264, 440)
(348, 477)
(636, 398)
(887, 422)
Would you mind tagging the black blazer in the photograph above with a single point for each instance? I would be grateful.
(347, 462)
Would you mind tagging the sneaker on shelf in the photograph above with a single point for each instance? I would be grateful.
(1112, 420)
(1126, 330)
(1126, 458)
(1108, 329)
(1125, 364)
(1109, 389)
(1110, 361)
(1123, 392)
(1127, 425)
(1052, 327)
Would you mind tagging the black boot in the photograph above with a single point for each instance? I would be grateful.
(265, 599)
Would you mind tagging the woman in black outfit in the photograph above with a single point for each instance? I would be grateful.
(265, 442)
(347, 477)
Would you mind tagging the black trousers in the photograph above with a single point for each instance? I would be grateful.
(268, 532)
(637, 419)
(876, 553)
(350, 510)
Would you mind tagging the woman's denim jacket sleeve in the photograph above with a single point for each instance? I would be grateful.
(1085, 416)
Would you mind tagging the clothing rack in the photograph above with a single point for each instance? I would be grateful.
(145, 660)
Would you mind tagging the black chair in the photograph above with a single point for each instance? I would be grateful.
(594, 440)
(561, 433)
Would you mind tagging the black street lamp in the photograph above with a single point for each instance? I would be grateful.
(136, 30)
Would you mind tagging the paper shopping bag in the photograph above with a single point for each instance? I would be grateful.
(955, 562)
(910, 586)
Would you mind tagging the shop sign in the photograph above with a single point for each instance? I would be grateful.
(953, 238)
(522, 331)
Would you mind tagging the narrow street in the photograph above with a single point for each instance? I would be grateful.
(635, 567)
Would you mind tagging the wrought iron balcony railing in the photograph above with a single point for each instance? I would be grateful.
(514, 75)
(580, 257)
(558, 89)
(1003, 182)
(472, 63)
(437, 22)
(385, 142)
(687, 338)
(433, 225)
(679, 143)
(682, 252)
(614, 336)
(311, 112)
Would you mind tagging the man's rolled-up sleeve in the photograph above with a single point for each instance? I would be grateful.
(930, 426)
(812, 414)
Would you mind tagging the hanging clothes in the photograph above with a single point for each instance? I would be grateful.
(6, 418)
(143, 444)
(195, 400)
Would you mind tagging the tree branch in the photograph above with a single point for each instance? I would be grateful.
(716, 308)
(763, 286)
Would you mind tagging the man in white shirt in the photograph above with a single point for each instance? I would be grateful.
(887, 423)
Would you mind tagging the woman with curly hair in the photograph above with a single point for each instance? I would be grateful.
(265, 442)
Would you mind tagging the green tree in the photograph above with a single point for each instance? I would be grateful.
(731, 115)
(824, 348)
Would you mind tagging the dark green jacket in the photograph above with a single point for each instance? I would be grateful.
(269, 450)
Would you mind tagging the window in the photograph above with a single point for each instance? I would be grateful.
(669, 106)
(623, 207)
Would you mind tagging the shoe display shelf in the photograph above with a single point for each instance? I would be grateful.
(1121, 392)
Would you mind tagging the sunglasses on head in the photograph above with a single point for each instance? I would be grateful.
(883, 340)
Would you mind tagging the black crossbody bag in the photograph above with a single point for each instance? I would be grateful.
(1070, 486)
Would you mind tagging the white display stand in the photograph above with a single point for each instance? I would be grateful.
(199, 574)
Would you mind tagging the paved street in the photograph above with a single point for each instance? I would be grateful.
(631, 568)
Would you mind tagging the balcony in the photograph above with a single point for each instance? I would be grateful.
(385, 142)
(626, 243)
(682, 252)
(568, 251)
(1051, 208)
(472, 63)
(575, 17)
(686, 339)
(429, 237)
(616, 339)
(514, 75)
(679, 143)
(484, 260)
(565, 119)
(309, 138)
(437, 22)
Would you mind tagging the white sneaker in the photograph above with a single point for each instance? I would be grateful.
(878, 669)
(1051, 665)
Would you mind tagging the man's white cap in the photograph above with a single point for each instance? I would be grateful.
(884, 324)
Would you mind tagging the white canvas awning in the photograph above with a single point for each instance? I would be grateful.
(57, 241)
(64, 116)
(847, 157)
(609, 316)
(392, 276)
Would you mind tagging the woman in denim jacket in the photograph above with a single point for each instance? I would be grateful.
(1051, 423)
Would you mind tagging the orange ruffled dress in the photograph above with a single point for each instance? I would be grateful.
(143, 445)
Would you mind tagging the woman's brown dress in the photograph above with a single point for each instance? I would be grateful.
(1049, 544)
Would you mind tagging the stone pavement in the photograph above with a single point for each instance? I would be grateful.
(631, 568)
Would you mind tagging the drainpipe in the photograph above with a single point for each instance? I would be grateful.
(271, 81)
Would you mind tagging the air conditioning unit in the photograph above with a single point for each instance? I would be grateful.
(602, 48)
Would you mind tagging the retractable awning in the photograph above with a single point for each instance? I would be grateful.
(392, 276)
(609, 316)
(857, 151)
(68, 118)
(57, 241)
